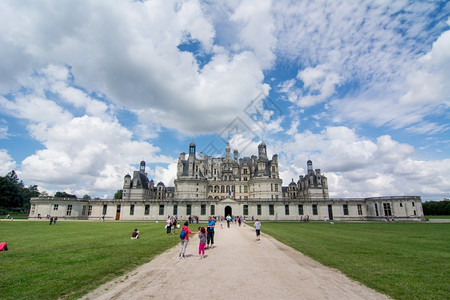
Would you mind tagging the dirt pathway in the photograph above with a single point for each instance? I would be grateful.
(238, 267)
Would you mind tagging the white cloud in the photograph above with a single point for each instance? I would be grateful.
(359, 167)
(86, 153)
(140, 64)
(6, 162)
(429, 84)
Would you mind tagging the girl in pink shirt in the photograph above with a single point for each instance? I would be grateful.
(184, 241)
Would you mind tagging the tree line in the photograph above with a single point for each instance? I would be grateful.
(436, 208)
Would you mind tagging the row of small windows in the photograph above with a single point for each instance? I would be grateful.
(232, 188)
(386, 209)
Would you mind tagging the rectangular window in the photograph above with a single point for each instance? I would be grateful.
(55, 206)
(314, 209)
(271, 210)
(147, 209)
(258, 209)
(245, 189)
(69, 210)
(345, 207)
(300, 209)
(105, 209)
(131, 209)
(412, 204)
(387, 209)
(161, 209)
(376, 210)
(359, 210)
(276, 187)
(271, 187)
(286, 209)
(245, 209)
(203, 209)
(401, 204)
(212, 210)
(83, 212)
(188, 209)
(175, 210)
(90, 210)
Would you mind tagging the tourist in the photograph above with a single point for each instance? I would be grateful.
(3, 246)
(258, 229)
(172, 227)
(202, 243)
(184, 241)
(228, 221)
(135, 234)
(210, 237)
(168, 225)
(54, 220)
(174, 224)
(51, 221)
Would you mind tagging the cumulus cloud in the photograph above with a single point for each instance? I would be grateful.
(359, 167)
(140, 66)
(6, 162)
(429, 84)
(90, 152)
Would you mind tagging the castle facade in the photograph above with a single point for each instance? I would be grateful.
(249, 187)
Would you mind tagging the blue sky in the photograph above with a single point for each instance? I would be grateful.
(88, 89)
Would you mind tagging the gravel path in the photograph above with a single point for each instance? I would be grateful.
(238, 267)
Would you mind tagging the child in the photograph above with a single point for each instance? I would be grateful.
(202, 244)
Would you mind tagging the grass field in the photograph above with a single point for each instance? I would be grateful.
(402, 260)
(68, 259)
(437, 217)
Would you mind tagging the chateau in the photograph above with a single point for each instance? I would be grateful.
(219, 186)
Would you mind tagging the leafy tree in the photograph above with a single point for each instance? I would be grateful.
(118, 194)
(436, 208)
(64, 195)
(28, 193)
(10, 195)
(12, 176)
(86, 197)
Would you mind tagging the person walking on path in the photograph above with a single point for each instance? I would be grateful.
(202, 243)
(258, 229)
(228, 221)
(184, 239)
(168, 225)
(210, 233)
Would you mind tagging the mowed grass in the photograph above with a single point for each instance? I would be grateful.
(401, 260)
(71, 258)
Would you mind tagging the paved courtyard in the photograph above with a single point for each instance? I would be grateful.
(238, 267)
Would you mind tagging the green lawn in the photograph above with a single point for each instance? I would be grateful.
(437, 217)
(14, 216)
(68, 259)
(402, 260)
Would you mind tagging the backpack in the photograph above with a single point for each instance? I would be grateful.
(182, 234)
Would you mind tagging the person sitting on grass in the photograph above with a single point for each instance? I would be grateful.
(3, 246)
(135, 234)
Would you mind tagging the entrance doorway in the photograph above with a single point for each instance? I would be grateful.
(228, 211)
(118, 212)
(330, 212)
